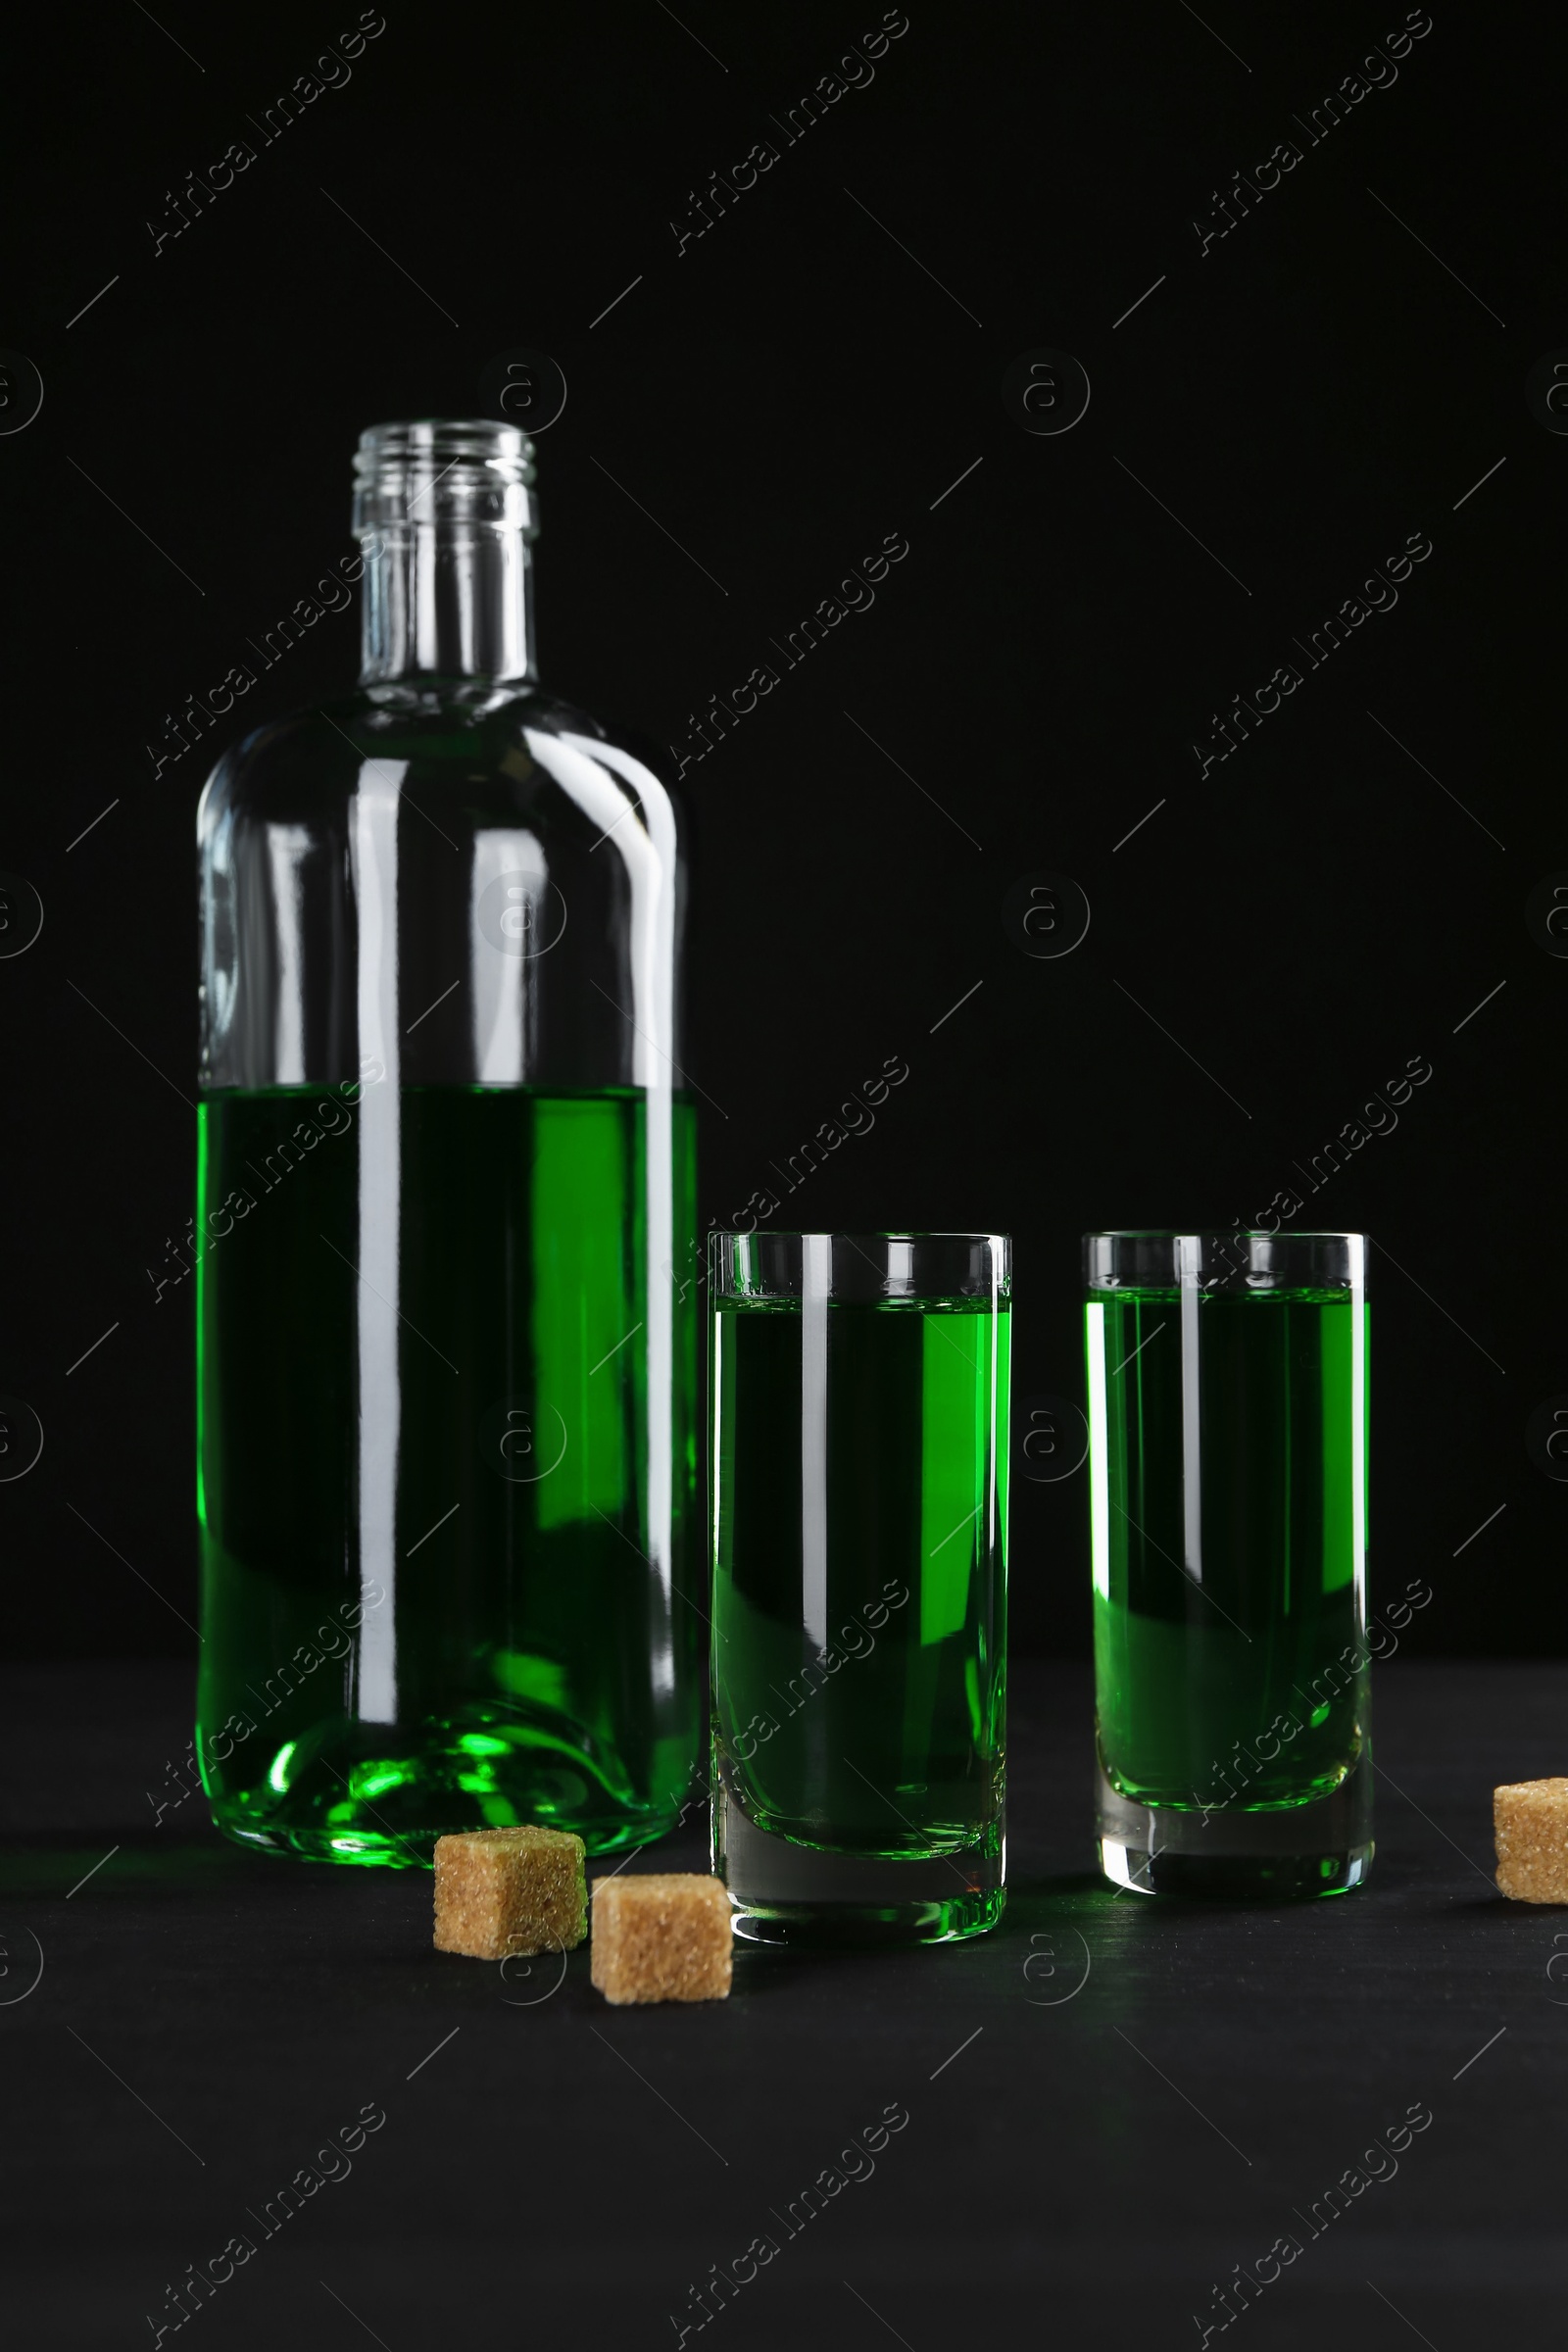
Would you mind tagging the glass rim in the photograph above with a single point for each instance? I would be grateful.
(852, 1266)
(1246, 1259)
(1224, 1232)
(898, 1233)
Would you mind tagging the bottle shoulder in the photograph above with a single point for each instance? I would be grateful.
(482, 887)
(488, 753)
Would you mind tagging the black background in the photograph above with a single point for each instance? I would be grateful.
(1278, 940)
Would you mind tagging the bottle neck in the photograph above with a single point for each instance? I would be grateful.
(446, 599)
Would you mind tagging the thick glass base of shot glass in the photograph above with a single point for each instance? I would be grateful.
(1272, 1854)
(784, 1893)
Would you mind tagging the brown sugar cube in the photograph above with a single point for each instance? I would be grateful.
(663, 1937)
(513, 1891)
(1530, 1821)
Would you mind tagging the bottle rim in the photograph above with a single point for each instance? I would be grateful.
(446, 473)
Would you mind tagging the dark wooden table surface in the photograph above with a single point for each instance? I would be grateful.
(1111, 2103)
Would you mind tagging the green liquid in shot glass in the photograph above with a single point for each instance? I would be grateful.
(876, 1730)
(1230, 1526)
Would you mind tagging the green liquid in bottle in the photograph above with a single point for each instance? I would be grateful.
(877, 1730)
(1229, 1504)
(458, 1418)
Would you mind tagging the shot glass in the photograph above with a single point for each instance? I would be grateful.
(860, 1463)
(1228, 1480)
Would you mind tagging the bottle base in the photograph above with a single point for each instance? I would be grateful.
(409, 1849)
(789, 1894)
(1287, 1854)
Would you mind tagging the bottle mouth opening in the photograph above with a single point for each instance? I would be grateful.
(443, 470)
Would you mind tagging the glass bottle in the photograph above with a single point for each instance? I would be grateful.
(445, 1220)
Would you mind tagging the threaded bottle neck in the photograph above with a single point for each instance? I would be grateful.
(445, 513)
